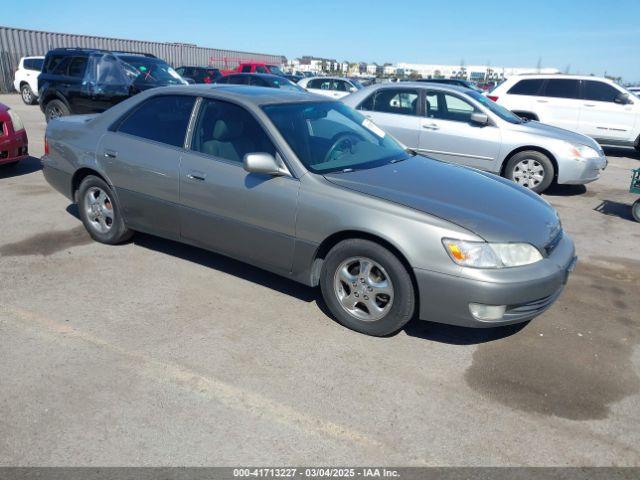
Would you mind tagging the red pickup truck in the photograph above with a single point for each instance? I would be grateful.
(255, 67)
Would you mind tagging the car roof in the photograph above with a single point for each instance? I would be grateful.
(254, 74)
(561, 76)
(76, 50)
(328, 78)
(245, 93)
(424, 84)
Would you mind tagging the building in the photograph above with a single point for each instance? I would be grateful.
(476, 73)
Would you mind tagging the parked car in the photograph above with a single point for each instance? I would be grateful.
(452, 81)
(335, 87)
(592, 106)
(259, 80)
(80, 81)
(255, 67)
(25, 79)
(14, 145)
(199, 74)
(309, 189)
(635, 91)
(462, 126)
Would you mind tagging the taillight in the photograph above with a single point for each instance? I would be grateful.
(46, 146)
(492, 97)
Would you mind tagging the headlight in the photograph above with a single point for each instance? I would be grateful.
(582, 152)
(491, 255)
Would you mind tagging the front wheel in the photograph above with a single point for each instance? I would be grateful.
(367, 288)
(531, 169)
(100, 212)
(635, 210)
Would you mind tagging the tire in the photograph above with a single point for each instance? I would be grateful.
(391, 308)
(635, 210)
(100, 212)
(27, 95)
(9, 165)
(531, 169)
(55, 109)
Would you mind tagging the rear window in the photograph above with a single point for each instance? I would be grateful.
(562, 88)
(526, 87)
(33, 64)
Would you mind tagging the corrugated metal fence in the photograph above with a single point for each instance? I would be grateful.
(16, 43)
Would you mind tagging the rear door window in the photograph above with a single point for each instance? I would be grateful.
(77, 67)
(162, 119)
(562, 88)
(391, 100)
(527, 87)
(599, 91)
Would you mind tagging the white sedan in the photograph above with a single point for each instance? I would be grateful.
(334, 87)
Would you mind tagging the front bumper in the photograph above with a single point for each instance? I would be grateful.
(526, 291)
(579, 172)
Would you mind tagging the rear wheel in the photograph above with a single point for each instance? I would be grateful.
(531, 169)
(367, 288)
(54, 109)
(100, 212)
(635, 210)
(27, 94)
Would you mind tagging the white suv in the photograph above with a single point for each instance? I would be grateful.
(25, 80)
(593, 106)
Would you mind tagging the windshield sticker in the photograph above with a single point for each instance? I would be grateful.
(373, 128)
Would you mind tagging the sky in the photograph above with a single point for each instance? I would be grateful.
(583, 36)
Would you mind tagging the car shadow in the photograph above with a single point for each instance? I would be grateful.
(615, 209)
(455, 335)
(24, 167)
(436, 332)
(556, 190)
(628, 152)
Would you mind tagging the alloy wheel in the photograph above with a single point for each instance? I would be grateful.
(99, 209)
(363, 288)
(26, 95)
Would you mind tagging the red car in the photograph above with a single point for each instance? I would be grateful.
(13, 137)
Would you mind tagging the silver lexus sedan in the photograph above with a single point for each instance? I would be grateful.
(463, 126)
(308, 188)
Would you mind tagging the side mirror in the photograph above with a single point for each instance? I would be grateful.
(353, 89)
(263, 163)
(190, 81)
(479, 118)
(622, 98)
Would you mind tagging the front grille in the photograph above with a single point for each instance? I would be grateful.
(551, 246)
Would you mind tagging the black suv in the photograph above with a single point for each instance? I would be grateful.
(199, 74)
(79, 80)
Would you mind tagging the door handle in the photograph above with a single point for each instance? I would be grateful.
(431, 126)
(589, 105)
(110, 153)
(197, 176)
(542, 101)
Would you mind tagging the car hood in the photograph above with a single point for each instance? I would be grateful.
(496, 209)
(549, 131)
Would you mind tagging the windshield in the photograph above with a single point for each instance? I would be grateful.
(276, 70)
(150, 71)
(499, 110)
(331, 137)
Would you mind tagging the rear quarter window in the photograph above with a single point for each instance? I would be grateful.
(526, 87)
